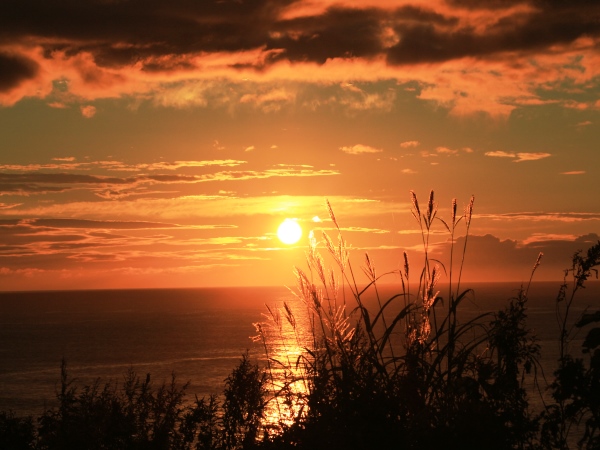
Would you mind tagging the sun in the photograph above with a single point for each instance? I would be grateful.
(289, 232)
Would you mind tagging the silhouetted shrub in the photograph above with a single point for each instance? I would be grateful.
(138, 416)
(16, 433)
(576, 385)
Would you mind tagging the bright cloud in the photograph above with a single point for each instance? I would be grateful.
(501, 154)
(409, 144)
(545, 237)
(519, 157)
(531, 156)
(67, 159)
(359, 149)
(446, 151)
(88, 111)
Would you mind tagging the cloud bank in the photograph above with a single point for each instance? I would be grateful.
(488, 55)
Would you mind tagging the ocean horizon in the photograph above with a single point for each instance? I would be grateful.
(197, 334)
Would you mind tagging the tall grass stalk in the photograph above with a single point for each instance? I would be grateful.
(419, 363)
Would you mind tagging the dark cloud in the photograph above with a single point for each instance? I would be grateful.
(160, 34)
(8, 222)
(28, 188)
(107, 187)
(14, 69)
(520, 32)
(40, 183)
(59, 178)
(99, 224)
(29, 238)
(492, 258)
(34, 235)
(124, 32)
(483, 4)
(36, 183)
(337, 33)
(413, 13)
(343, 32)
(172, 178)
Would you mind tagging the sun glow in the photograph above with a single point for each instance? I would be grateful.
(289, 232)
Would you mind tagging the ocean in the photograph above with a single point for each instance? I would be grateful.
(196, 334)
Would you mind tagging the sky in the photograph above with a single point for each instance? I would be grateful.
(152, 143)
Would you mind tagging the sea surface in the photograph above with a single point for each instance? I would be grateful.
(196, 334)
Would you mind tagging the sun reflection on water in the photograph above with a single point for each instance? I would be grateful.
(286, 334)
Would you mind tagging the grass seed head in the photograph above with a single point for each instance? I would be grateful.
(469, 211)
(369, 268)
(538, 261)
(289, 315)
(453, 212)
(430, 204)
(331, 214)
(333, 283)
(431, 210)
(416, 212)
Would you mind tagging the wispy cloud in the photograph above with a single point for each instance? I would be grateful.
(88, 111)
(360, 149)
(544, 216)
(573, 172)
(409, 144)
(271, 101)
(546, 237)
(365, 98)
(35, 180)
(446, 151)
(532, 156)
(501, 154)
(69, 164)
(207, 206)
(66, 158)
(88, 240)
(519, 157)
(365, 230)
(9, 205)
(106, 224)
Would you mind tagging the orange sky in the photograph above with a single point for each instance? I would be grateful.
(160, 144)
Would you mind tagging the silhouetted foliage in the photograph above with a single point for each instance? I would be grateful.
(138, 416)
(132, 416)
(16, 433)
(576, 385)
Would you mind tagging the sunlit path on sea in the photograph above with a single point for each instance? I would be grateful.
(198, 334)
